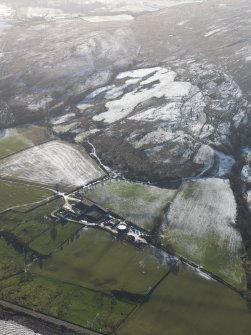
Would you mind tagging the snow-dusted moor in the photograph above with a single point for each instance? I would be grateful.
(165, 117)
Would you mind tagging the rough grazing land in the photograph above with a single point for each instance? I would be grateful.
(201, 226)
(51, 163)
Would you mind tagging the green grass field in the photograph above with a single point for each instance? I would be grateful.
(27, 226)
(22, 138)
(97, 261)
(11, 261)
(12, 144)
(52, 238)
(186, 304)
(85, 307)
(141, 204)
(14, 194)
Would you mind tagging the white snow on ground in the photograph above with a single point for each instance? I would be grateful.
(248, 198)
(63, 128)
(169, 112)
(108, 18)
(207, 207)
(140, 5)
(205, 156)
(246, 173)
(40, 12)
(51, 163)
(215, 31)
(162, 84)
(139, 73)
(226, 163)
(157, 137)
(115, 92)
(13, 328)
(62, 119)
(95, 93)
(181, 23)
(5, 11)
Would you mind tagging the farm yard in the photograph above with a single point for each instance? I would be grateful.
(141, 204)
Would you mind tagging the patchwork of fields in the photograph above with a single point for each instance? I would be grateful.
(103, 283)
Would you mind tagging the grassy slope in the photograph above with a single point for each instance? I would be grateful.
(138, 203)
(11, 261)
(72, 303)
(27, 226)
(52, 238)
(12, 144)
(186, 304)
(97, 261)
(15, 194)
(22, 139)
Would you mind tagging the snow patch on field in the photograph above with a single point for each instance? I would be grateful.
(108, 18)
(13, 328)
(41, 12)
(225, 163)
(62, 118)
(248, 199)
(216, 30)
(51, 163)
(181, 23)
(5, 11)
(246, 174)
(201, 225)
(205, 206)
(141, 5)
